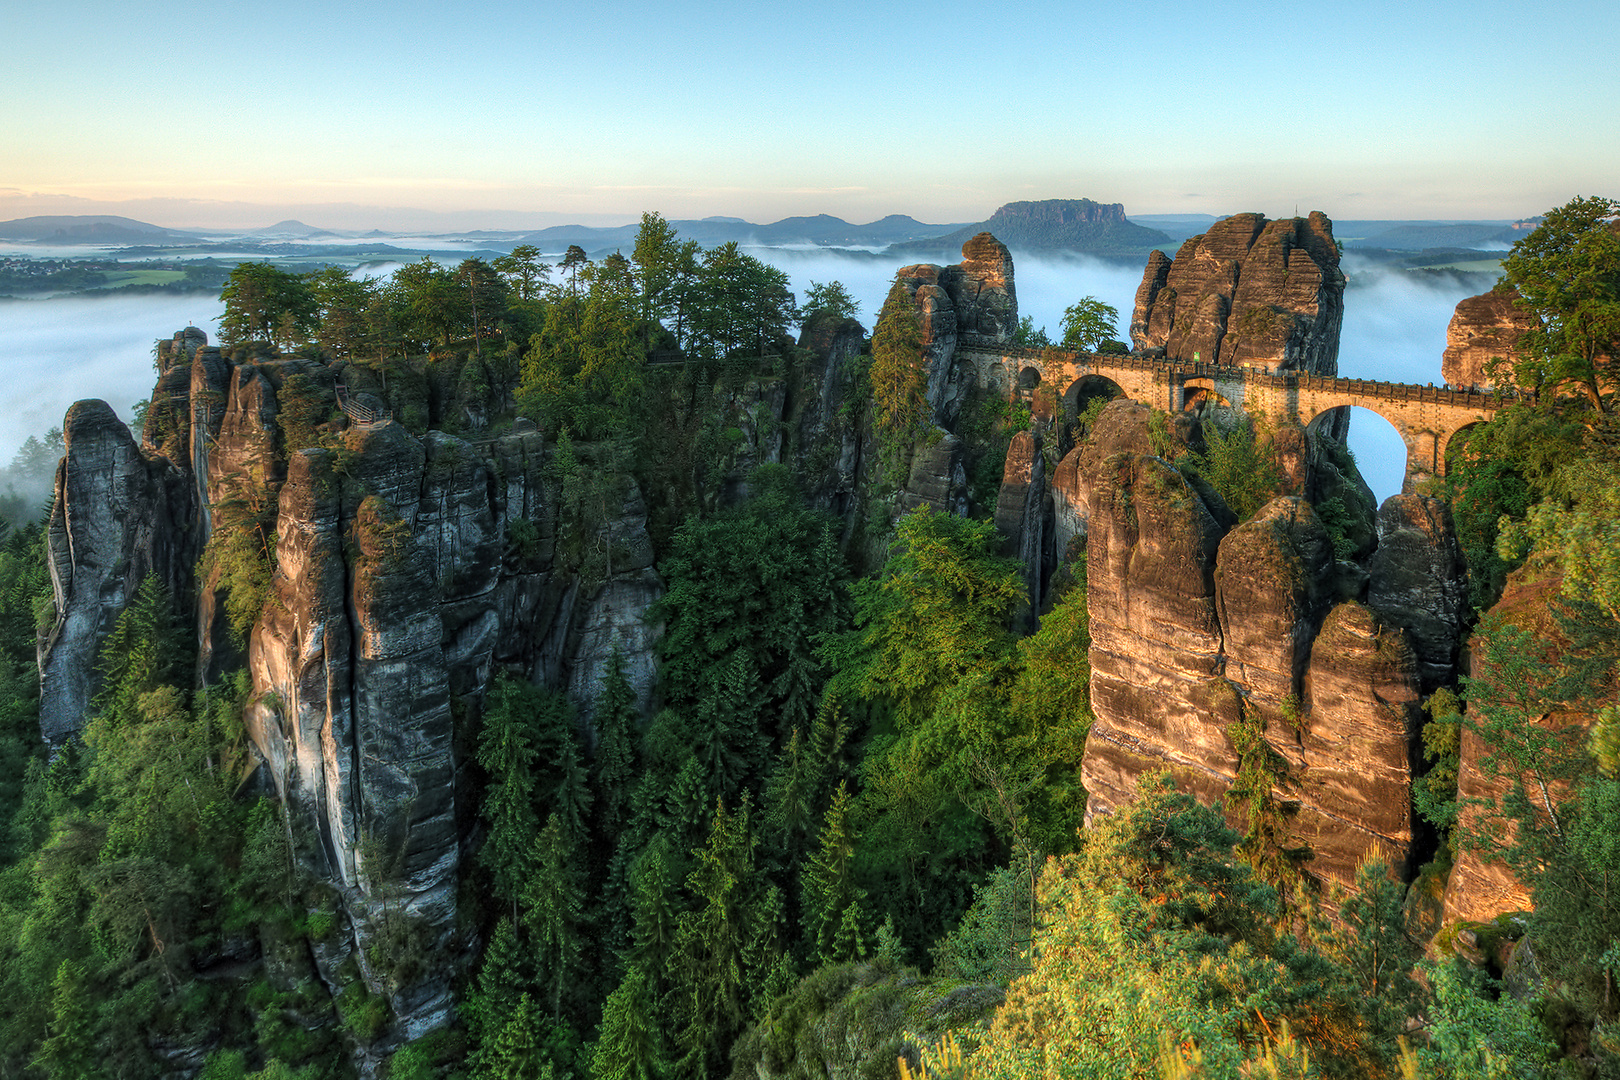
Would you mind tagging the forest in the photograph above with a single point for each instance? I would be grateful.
(845, 832)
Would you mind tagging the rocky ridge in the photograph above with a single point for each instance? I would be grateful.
(1483, 329)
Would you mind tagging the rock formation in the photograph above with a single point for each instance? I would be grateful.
(974, 297)
(1248, 291)
(1199, 625)
(407, 569)
(1418, 580)
(1483, 329)
(118, 516)
(1480, 887)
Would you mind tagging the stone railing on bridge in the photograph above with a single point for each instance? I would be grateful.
(1427, 417)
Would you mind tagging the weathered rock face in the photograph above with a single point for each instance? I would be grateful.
(976, 296)
(1483, 328)
(1249, 291)
(1121, 427)
(407, 569)
(1023, 517)
(1418, 580)
(118, 516)
(1351, 762)
(1156, 686)
(938, 478)
(1273, 582)
(1198, 625)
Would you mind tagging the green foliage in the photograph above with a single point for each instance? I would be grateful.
(1435, 793)
(830, 300)
(1156, 930)
(1027, 337)
(750, 593)
(630, 1046)
(1475, 1036)
(991, 943)
(1497, 471)
(303, 407)
(1239, 464)
(1567, 272)
(1088, 323)
(938, 614)
(899, 380)
(265, 303)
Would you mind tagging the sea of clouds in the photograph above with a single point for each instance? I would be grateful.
(60, 350)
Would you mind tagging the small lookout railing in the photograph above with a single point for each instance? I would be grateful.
(359, 415)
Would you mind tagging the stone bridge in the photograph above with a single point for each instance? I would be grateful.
(1427, 417)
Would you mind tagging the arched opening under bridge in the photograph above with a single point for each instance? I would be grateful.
(1381, 455)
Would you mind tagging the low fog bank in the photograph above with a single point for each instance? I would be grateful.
(1394, 330)
(60, 351)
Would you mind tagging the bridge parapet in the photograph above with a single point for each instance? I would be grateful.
(1427, 417)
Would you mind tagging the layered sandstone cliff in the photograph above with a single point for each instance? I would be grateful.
(1247, 292)
(1484, 330)
(1200, 626)
(974, 297)
(407, 569)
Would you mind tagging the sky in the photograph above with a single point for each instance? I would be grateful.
(415, 115)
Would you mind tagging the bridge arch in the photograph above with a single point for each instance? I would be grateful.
(1087, 387)
(1450, 449)
(1200, 391)
(1387, 457)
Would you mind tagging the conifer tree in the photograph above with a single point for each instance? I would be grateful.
(630, 1046)
(711, 993)
(830, 897)
(554, 905)
(655, 933)
(613, 768)
(69, 1052)
(506, 753)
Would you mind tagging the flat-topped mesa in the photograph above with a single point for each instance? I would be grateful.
(973, 297)
(1248, 292)
(1483, 329)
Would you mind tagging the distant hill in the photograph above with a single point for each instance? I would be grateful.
(822, 230)
(1421, 235)
(293, 227)
(89, 229)
(1077, 225)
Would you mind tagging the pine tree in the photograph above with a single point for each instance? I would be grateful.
(630, 1046)
(830, 894)
(554, 904)
(69, 1052)
(655, 933)
(613, 768)
(711, 993)
(506, 753)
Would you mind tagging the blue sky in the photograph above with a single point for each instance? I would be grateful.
(413, 115)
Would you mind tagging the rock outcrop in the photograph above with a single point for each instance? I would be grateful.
(118, 516)
(1199, 625)
(1483, 329)
(974, 297)
(1418, 580)
(1481, 887)
(1249, 291)
(408, 567)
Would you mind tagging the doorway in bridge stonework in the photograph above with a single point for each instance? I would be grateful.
(1456, 450)
(1378, 449)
